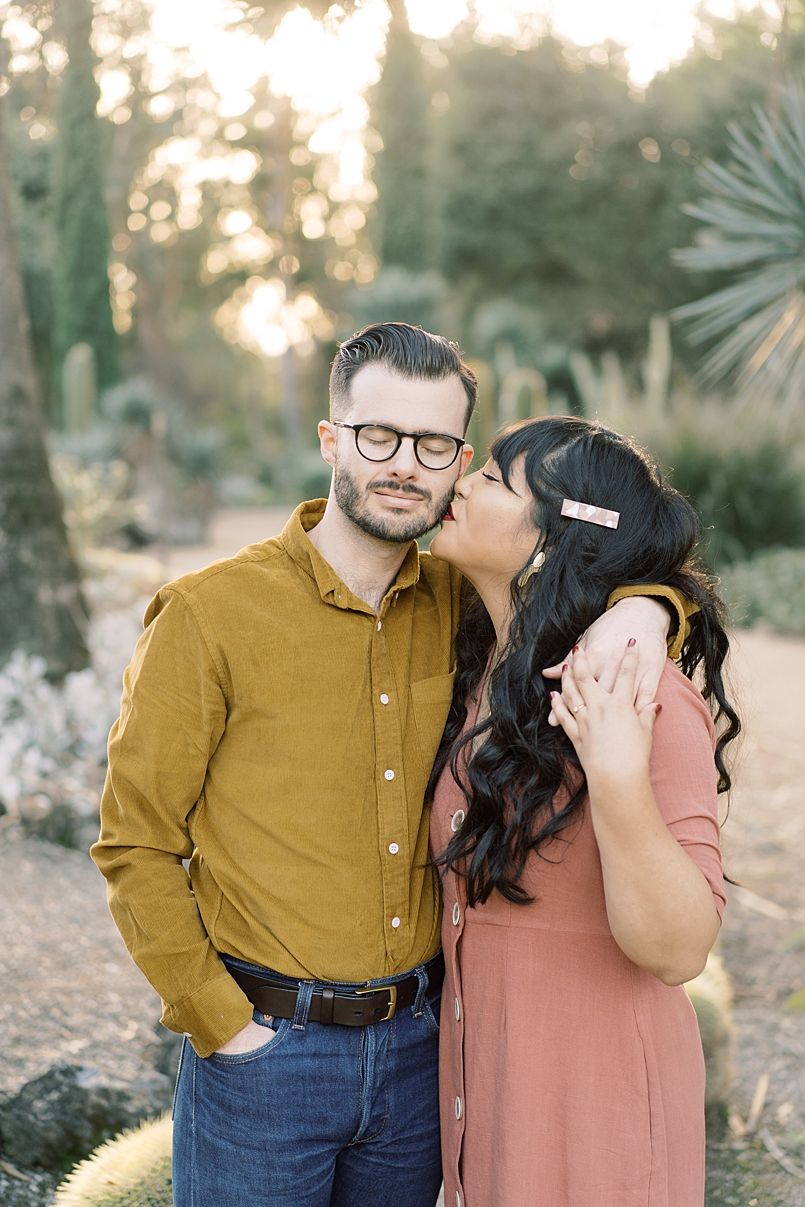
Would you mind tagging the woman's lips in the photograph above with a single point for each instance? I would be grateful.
(448, 515)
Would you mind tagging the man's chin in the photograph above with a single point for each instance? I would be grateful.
(398, 527)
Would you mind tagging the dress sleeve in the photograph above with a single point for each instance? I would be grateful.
(683, 775)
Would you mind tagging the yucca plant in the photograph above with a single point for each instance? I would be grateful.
(757, 221)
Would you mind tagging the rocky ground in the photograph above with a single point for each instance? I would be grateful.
(70, 995)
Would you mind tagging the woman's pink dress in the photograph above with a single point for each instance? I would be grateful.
(569, 1076)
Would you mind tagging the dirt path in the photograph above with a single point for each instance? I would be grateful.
(763, 941)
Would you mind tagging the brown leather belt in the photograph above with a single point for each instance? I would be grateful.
(333, 1003)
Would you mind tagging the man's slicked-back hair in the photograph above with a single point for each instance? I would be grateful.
(403, 349)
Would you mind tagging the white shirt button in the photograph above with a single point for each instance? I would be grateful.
(393, 848)
(395, 922)
(389, 774)
(458, 818)
(379, 625)
(458, 1011)
(384, 699)
(456, 914)
(459, 1108)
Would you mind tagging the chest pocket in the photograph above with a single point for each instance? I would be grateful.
(430, 703)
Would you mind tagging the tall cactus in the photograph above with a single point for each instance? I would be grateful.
(83, 310)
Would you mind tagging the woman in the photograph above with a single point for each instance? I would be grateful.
(578, 838)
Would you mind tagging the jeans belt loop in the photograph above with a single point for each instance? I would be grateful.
(303, 999)
(422, 977)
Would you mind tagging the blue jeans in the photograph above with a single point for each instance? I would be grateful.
(319, 1116)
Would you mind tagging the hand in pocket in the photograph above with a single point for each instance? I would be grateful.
(248, 1039)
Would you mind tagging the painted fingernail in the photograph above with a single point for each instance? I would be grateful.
(659, 710)
(631, 642)
(564, 668)
(554, 694)
(575, 649)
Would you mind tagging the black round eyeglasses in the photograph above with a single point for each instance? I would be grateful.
(432, 450)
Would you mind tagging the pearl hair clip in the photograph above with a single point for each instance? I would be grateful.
(592, 515)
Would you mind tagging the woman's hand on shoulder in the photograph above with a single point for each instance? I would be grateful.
(610, 732)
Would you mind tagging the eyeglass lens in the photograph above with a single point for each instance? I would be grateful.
(381, 443)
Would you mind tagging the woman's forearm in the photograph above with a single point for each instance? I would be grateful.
(659, 905)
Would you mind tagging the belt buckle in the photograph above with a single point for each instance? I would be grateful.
(391, 990)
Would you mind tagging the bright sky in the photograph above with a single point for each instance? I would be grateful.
(654, 32)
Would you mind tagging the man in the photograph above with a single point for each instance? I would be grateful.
(279, 722)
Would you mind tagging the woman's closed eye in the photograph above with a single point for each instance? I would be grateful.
(489, 477)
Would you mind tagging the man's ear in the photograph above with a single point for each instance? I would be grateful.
(467, 454)
(327, 439)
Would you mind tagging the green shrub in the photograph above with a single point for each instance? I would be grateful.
(132, 1171)
(769, 587)
(744, 477)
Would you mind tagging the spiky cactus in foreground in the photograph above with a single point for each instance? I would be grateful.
(132, 1171)
(757, 231)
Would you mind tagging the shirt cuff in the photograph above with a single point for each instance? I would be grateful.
(211, 1015)
(685, 608)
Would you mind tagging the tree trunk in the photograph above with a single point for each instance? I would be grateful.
(42, 610)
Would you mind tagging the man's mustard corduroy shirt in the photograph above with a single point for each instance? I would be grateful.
(279, 734)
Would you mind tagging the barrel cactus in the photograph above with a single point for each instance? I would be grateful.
(132, 1171)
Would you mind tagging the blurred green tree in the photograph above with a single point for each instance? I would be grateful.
(562, 187)
(403, 108)
(41, 604)
(83, 312)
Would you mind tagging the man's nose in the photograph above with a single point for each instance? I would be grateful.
(404, 464)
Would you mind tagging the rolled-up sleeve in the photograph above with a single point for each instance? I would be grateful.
(173, 715)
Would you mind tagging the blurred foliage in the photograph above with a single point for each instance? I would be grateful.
(528, 202)
(743, 467)
(83, 312)
(406, 202)
(757, 221)
(557, 186)
(770, 588)
(97, 505)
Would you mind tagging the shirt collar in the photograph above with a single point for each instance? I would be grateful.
(332, 590)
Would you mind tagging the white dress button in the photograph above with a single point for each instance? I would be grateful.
(379, 625)
(459, 1108)
(458, 1199)
(458, 1011)
(389, 775)
(393, 848)
(456, 914)
(384, 699)
(395, 922)
(458, 818)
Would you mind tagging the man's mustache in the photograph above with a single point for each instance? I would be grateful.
(402, 488)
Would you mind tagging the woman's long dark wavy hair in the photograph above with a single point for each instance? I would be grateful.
(524, 785)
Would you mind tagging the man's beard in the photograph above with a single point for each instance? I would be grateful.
(354, 503)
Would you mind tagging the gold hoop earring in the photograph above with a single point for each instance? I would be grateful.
(534, 568)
